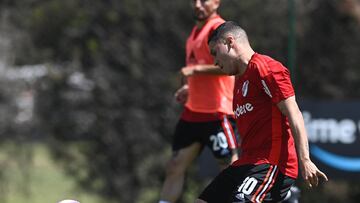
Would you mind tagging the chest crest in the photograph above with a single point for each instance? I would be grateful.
(245, 88)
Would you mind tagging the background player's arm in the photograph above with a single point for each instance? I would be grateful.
(309, 171)
(207, 69)
(187, 71)
(181, 94)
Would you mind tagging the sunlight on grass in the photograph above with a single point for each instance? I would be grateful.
(41, 180)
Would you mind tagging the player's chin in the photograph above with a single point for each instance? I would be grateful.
(230, 73)
(200, 16)
(225, 70)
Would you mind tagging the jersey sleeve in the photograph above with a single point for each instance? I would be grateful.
(276, 83)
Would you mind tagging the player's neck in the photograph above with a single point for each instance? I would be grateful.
(243, 61)
(242, 69)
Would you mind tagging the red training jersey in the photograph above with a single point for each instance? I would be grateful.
(265, 132)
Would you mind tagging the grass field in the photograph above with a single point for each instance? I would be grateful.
(29, 175)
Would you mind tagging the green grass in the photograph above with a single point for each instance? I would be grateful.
(29, 175)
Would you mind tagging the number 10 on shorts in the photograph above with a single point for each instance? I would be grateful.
(248, 185)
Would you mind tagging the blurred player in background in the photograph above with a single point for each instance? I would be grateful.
(207, 93)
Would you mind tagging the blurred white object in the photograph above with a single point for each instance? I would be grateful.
(69, 201)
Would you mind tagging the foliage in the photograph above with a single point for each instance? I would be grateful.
(112, 69)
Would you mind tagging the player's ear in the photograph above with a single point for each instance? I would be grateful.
(230, 42)
(216, 4)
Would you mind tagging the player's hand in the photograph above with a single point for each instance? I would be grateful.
(311, 173)
(181, 94)
(188, 71)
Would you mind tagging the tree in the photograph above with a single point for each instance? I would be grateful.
(106, 104)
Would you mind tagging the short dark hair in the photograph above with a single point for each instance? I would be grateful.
(225, 28)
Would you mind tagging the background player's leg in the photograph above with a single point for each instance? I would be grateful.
(175, 172)
(226, 161)
(226, 132)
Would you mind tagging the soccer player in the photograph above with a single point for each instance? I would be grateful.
(207, 118)
(271, 126)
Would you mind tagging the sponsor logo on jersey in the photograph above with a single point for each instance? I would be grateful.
(266, 88)
(243, 109)
(245, 88)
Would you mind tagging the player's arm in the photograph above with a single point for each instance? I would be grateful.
(310, 172)
(181, 94)
(201, 69)
(187, 71)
